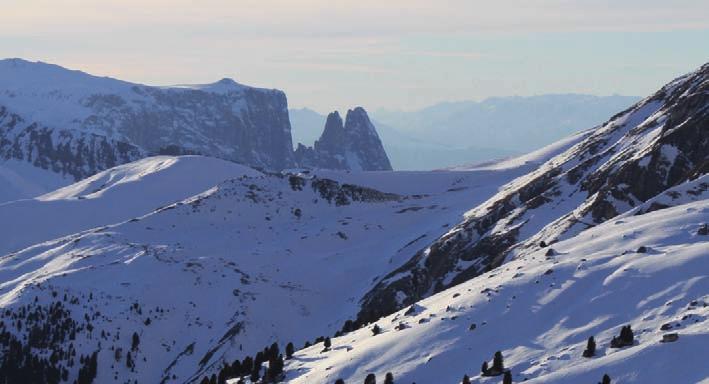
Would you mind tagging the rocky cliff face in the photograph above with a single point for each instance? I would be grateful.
(354, 145)
(66, 152)
(659, 143)
(78, 124)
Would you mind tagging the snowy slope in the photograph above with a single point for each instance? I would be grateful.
(253, 260)
(539, 310)
(655, 145)
(21, 180)
(111, 196)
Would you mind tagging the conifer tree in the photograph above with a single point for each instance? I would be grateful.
(389, 378)
(339, 381)
(376, 329)
(247, 365)
(275, 369)
(606, 379)
(256, 373)
(484, 368)
(590, 348)
(498, 362)
(466, 379)
(507, 378)
(135, 342)
(370, 379)
(236, 368)
(327, 343)
(290, 349)
(273, 352)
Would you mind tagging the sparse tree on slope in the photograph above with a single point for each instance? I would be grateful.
(507, 378)
(290, 349)
(376, 329)
(590, 348)
(135, 342)
(498, 363)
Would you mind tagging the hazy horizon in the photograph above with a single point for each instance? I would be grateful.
(398, 55)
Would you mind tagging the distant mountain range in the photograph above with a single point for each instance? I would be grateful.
(453, 133)
(59, 125)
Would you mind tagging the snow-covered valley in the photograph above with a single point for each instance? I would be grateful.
(170, 269)
(257, 257)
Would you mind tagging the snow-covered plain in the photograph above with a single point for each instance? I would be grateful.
(539, 310)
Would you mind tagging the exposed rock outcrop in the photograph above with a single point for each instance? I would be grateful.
(354, 145)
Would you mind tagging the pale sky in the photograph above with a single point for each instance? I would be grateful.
(400, 54)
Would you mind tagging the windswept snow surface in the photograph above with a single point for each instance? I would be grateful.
(539, 310)
(111, 196)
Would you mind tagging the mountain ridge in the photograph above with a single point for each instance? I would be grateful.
(597, 179)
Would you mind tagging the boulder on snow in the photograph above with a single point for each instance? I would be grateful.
(669, 337)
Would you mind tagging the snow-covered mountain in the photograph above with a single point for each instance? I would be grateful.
(77, 124)
(659, 143)
(255, 259)
(74, 125)
(354, 145)
(165, 269)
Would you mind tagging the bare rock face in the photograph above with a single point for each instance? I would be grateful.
(65, 152)
(352, 146)
(660, 145)
(75, 123)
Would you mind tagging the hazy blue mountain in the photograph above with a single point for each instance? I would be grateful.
(513, 123)
(405, 151)
(453, 133)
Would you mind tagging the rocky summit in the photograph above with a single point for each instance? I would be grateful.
(354, 145)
